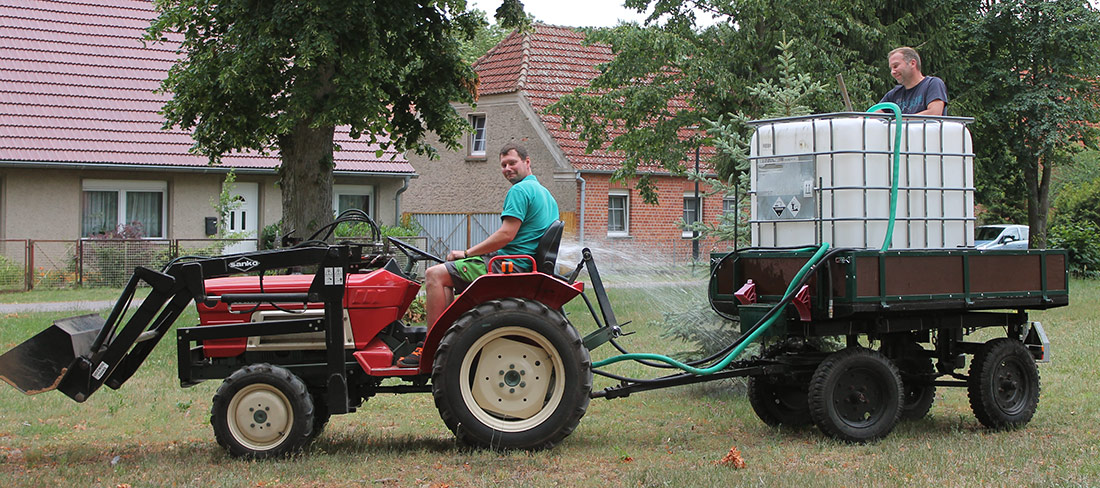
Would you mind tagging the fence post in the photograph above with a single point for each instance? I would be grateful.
(80, 262)
(29, 284)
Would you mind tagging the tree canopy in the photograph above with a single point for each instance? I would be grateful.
(1034, 82)
(711, 69)
(282, 75)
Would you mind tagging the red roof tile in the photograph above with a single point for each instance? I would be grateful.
(77, 86)
(544, 65)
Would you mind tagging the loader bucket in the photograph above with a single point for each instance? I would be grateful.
(39, 363)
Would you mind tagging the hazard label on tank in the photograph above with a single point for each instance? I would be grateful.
(794, 206)
(778, 206)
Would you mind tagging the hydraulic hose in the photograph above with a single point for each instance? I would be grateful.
(756, 332)
(897, 168)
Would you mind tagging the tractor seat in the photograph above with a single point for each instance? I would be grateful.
(546, 254)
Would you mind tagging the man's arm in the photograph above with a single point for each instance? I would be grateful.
(507, 231)
(935, 107)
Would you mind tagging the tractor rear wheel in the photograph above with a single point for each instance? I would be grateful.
(511, 374)
(262, 411)
(1003, 384)
(856, 395)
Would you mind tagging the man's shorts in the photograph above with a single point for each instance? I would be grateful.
(465, 271)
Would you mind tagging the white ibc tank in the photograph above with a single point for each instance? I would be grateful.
(827, 178)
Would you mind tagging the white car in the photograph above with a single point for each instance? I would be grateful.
(1001, 236)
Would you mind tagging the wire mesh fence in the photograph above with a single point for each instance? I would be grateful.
(27, 264)
(13, 264)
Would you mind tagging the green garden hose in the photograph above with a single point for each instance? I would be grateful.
(889, 239)
(736, 351)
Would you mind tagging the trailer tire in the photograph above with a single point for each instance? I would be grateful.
(1004, 384)
(916, 370)
(531, 395)
(779, 403)
(262, 411)
(781, 399)
(856, 395)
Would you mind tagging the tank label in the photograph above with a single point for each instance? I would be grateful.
(785, 185)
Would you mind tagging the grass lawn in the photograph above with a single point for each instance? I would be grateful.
(151, 432)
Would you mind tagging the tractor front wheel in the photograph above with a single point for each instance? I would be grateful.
(262, 411)
(511, 374)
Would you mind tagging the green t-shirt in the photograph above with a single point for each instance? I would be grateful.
(534, 206)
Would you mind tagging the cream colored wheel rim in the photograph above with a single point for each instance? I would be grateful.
(517, 379)
(260, 417)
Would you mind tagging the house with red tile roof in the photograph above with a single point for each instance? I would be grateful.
(82, 149)
(519, 78)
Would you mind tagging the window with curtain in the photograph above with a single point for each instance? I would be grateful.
(691, 212)
(617, 214)
(346, 196)
(111, 205)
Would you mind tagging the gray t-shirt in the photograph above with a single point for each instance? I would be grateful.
(916, 99)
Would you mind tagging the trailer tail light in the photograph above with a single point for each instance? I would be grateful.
(1035, 338)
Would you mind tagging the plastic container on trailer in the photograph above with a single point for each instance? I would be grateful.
(827, 178)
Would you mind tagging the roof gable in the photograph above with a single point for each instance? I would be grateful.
(543, 65)
(77, 85)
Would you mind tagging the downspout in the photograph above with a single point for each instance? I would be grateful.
(397, 202)
(580, 231)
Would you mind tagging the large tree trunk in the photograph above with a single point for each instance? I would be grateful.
(1037, 175)
(305, 178)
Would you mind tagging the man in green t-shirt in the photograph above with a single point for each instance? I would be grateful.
(529, 209)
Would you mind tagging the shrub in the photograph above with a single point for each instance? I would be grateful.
(1082, 240)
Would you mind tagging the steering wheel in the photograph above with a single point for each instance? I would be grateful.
(414, 253)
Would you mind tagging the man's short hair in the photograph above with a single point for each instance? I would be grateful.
(513, 146)
(907, 54)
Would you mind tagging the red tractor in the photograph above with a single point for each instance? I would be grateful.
(505, 367)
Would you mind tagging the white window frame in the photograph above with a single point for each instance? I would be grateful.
(698, 211)
(367, 190)
(625, 194)
(123, 187)
(729, 205)
(474, 139)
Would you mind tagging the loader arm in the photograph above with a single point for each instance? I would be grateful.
(66, 358)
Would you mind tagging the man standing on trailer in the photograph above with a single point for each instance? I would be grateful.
(529, 209)
(917, 94)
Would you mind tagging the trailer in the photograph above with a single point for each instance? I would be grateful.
(858, 337)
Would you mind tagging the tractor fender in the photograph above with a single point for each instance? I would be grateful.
(543, 288)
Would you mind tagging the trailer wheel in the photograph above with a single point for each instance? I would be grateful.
(1004, 384)
(856, 395)
(511, 374)
(777, 402)
(781, 400)
(916, 370)
(262, 411)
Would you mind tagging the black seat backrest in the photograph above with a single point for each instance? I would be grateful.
(546, 255)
